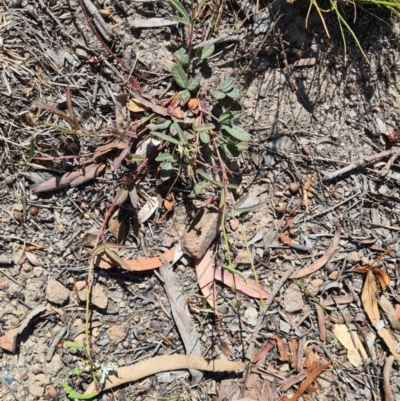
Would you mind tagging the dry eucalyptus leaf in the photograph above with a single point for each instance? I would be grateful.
(351, 341)
(135, 106)
(147, 210)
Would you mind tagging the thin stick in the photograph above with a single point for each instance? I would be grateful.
(361, 163)
(263, 311)
(386, 379)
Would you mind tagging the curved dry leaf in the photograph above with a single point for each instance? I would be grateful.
(164, 363)
(248, 286)
(104, 262)
(73, 179)
(205, 276)
(135, 106)
(148, 209)
(320, 262)
(390, 312)
(310, 378)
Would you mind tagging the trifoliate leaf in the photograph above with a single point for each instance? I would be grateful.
(179, 75)
(181, 56)
(204, 137)
(237, 132)
(203, 127)
(235, 93)
(194, 82)
(218, 95)
(227, 84)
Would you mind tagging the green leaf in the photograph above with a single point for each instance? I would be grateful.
(237, 132)
(183, 21)
(73, 394)
(204, 137)
(181, 9)
(164, 157)
(73, 344)
(194, 82)
(160, 125)
(198, 188)
(207, 51)
(235, 93)
(242, 146)
(165, 137)
(226, 117)
(218, 95)
(166, 171)
(181, 136)
(184, 96)
(227, 84)
(230, 150)
(181, 56)
(232, 268)
(179, 75)
(133, 158)
(203, 127)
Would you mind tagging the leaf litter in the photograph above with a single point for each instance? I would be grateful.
(109, 133)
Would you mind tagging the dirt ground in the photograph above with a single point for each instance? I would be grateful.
(323, 241)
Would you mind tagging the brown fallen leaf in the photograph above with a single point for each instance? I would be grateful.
(285, 240)
(135, 106)
(118, 143)
(268, 346)
(105, 262)
(248, 286)
(310, 378)
(205, 277)
(155, 107)
(390, 312)
(351, 341)
(193, 104)
(164, 363)
(370, 304)
(73, 179)
(320, 262)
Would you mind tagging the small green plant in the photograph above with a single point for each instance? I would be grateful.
(336, 7)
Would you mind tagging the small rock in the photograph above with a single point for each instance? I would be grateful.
(9, 378)
(353, 257)
(8, 341)
(242, 257)
(314, 286)
(293, 299)
(334, 276)
(56, 292)
(10, 179)
(202, 232)
(250, 316)
(117, 333)
(37, 368)
(26, 267)
(99, 298)
(86, 216)
(294, 188)
(234, 224)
